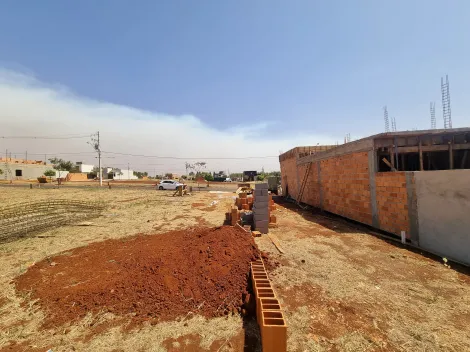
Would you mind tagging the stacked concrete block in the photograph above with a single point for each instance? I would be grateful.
(261, 207)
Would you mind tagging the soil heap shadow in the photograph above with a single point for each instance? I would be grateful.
(146, 277)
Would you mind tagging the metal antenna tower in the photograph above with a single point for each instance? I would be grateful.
(446, 112)
(394, 124)
(387, 126)
(347, 138)
(432, 109)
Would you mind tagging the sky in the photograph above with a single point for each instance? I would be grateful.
(200, 80)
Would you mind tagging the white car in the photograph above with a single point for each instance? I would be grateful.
(168, 184)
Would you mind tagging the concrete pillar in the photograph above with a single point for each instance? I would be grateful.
(412, 208)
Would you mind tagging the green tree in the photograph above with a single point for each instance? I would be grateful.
(140, 174)
(208, 177)
(61, 165)
(260, 177)
(49, 173)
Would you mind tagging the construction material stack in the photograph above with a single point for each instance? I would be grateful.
(261, 206)
(269, 313)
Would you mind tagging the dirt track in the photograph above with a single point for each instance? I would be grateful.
(342, 289)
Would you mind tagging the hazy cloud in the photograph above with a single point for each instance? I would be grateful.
(29, 107)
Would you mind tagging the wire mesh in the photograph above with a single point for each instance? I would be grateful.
(28, 218)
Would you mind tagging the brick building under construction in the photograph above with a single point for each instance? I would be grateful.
(414, 181)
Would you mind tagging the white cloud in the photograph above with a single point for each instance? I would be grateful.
(29, 107)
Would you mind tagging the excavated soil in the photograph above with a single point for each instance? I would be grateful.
(149, 278)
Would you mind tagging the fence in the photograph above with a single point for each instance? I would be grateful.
(24, 219)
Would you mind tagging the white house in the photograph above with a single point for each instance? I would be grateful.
(122, 174)
(85, 168)
(19, 169)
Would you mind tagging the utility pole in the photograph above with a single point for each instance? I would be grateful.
(26, 157)
(99, 159)
(128, 172)
(95, 143)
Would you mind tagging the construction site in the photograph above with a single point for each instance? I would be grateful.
(363, 247)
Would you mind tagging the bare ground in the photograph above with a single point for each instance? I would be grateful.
(342, 289)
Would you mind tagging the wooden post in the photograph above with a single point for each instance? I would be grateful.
(451, 157)
(392, 159)
(420, 156)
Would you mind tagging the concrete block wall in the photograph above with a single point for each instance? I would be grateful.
(392, 202)
(345, 186)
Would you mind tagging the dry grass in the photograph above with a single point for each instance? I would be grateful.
(348, 291)
(342, 290)
(129, 212)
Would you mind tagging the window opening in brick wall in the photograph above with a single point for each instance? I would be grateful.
(18, 173)
(437, 160)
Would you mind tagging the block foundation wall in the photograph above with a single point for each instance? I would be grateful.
(346, 186)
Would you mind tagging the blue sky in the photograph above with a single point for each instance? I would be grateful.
(320, 68)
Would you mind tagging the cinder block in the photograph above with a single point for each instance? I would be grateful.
(272, 219)
(242, 195)
(260, 205)
(257, 193)
(263, 198)
(261, 223)
(243, 201)
(261, 186)
(264, 192)
(245, 206)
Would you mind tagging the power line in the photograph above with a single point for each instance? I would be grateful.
(193, 158)
(53, 153)
(46, 137)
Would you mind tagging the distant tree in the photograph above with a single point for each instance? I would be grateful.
(274, 173)
(184, 177)
(197, 167)
(140, 174)
(208, 177)
(1, 172)
(236, 175)
(260, 177)
(191, 173)
(61, 165)
(49, 173)
(169, 175)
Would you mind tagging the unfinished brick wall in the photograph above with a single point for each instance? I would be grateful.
(289, 176)
(392, 202)
(345, 185)
(77, 177)
(311, 193)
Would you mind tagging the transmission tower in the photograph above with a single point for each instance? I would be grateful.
(432, 109)
(394, 124)
(387, 126)
(446, 112)
(347, 138)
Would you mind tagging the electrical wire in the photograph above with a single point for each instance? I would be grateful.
(48, 137)
(192, 158)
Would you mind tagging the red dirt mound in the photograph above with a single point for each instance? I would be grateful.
(153, 277)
